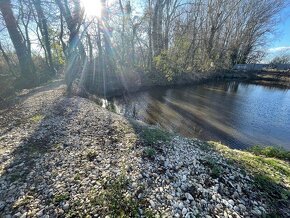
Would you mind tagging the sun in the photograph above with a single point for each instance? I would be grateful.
(93, 8)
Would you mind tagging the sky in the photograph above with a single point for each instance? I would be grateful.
(280, 41)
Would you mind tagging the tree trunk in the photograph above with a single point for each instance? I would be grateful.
(28, 76)
(45, 34)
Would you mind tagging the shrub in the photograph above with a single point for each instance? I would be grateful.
(278, 152)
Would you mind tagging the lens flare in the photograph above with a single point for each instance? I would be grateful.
(93, 8)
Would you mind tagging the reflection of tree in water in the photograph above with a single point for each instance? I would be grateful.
(230, 87)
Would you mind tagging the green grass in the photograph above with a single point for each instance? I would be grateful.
(61, 197)
(271, 175)
(77, 177)
(36, 118)
(214, 167)
(114, 197)
(149, 152)
(151, 135)
(279, 153)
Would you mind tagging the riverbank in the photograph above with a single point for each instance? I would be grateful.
(144, 82)
(68, 157)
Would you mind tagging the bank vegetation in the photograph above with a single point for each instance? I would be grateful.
(128, 44)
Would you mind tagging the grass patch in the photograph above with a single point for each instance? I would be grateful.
(91, 155)
(149, 152)
(271, 175)
(77, 177)
(279, 153)
(214, 167)
(115, 199)
(61, 197)
(111, 107)
(150, 135)
(57, 146)
(36, 118)
(15, 177)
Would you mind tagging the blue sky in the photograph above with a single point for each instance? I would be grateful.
(280, 41)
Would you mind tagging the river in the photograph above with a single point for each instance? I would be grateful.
(237, 114)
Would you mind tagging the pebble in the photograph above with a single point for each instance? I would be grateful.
(66, 206)
(2, 205)
(231, 202)
(184, 211)
(152, 204)
(189, 196)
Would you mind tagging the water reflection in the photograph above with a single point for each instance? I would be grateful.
(237, 114)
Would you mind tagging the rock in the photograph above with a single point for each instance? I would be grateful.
(39, 213)
(226, 214)
(184, 211)
(242, 207)
(152, 203)
(23, 215)
(2, 205)
(239, 189)
(236, 208)
(66, 206)
(180, 206)
(256, 212)
(231, 202)
(17, 214)
(134, 185)
(189, 197)
(235, 195)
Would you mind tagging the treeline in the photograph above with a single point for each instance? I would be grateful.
(129, 43)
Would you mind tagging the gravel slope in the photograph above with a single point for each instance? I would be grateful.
(68, 157)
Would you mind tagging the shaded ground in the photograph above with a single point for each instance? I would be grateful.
(68, 157)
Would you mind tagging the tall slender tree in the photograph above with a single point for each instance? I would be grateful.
(28, 75)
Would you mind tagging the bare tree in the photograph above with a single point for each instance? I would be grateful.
(28, 77)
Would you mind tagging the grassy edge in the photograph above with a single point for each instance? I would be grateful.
(270, 175)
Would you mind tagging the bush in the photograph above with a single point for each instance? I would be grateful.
(278, 152)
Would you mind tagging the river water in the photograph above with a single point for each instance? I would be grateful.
(234, 113)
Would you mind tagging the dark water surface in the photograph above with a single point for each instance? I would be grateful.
(234, 113)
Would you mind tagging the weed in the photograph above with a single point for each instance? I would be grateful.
(152, 136)
(114, 197)
(36, 118)
(149, 213)
(61, 197)
(15, 176)
(215, 168)
(111, 107)
(77, 177)
(91, 155)
(149, 152)
(57, 146)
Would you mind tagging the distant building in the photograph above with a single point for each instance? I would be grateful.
(246, 67)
